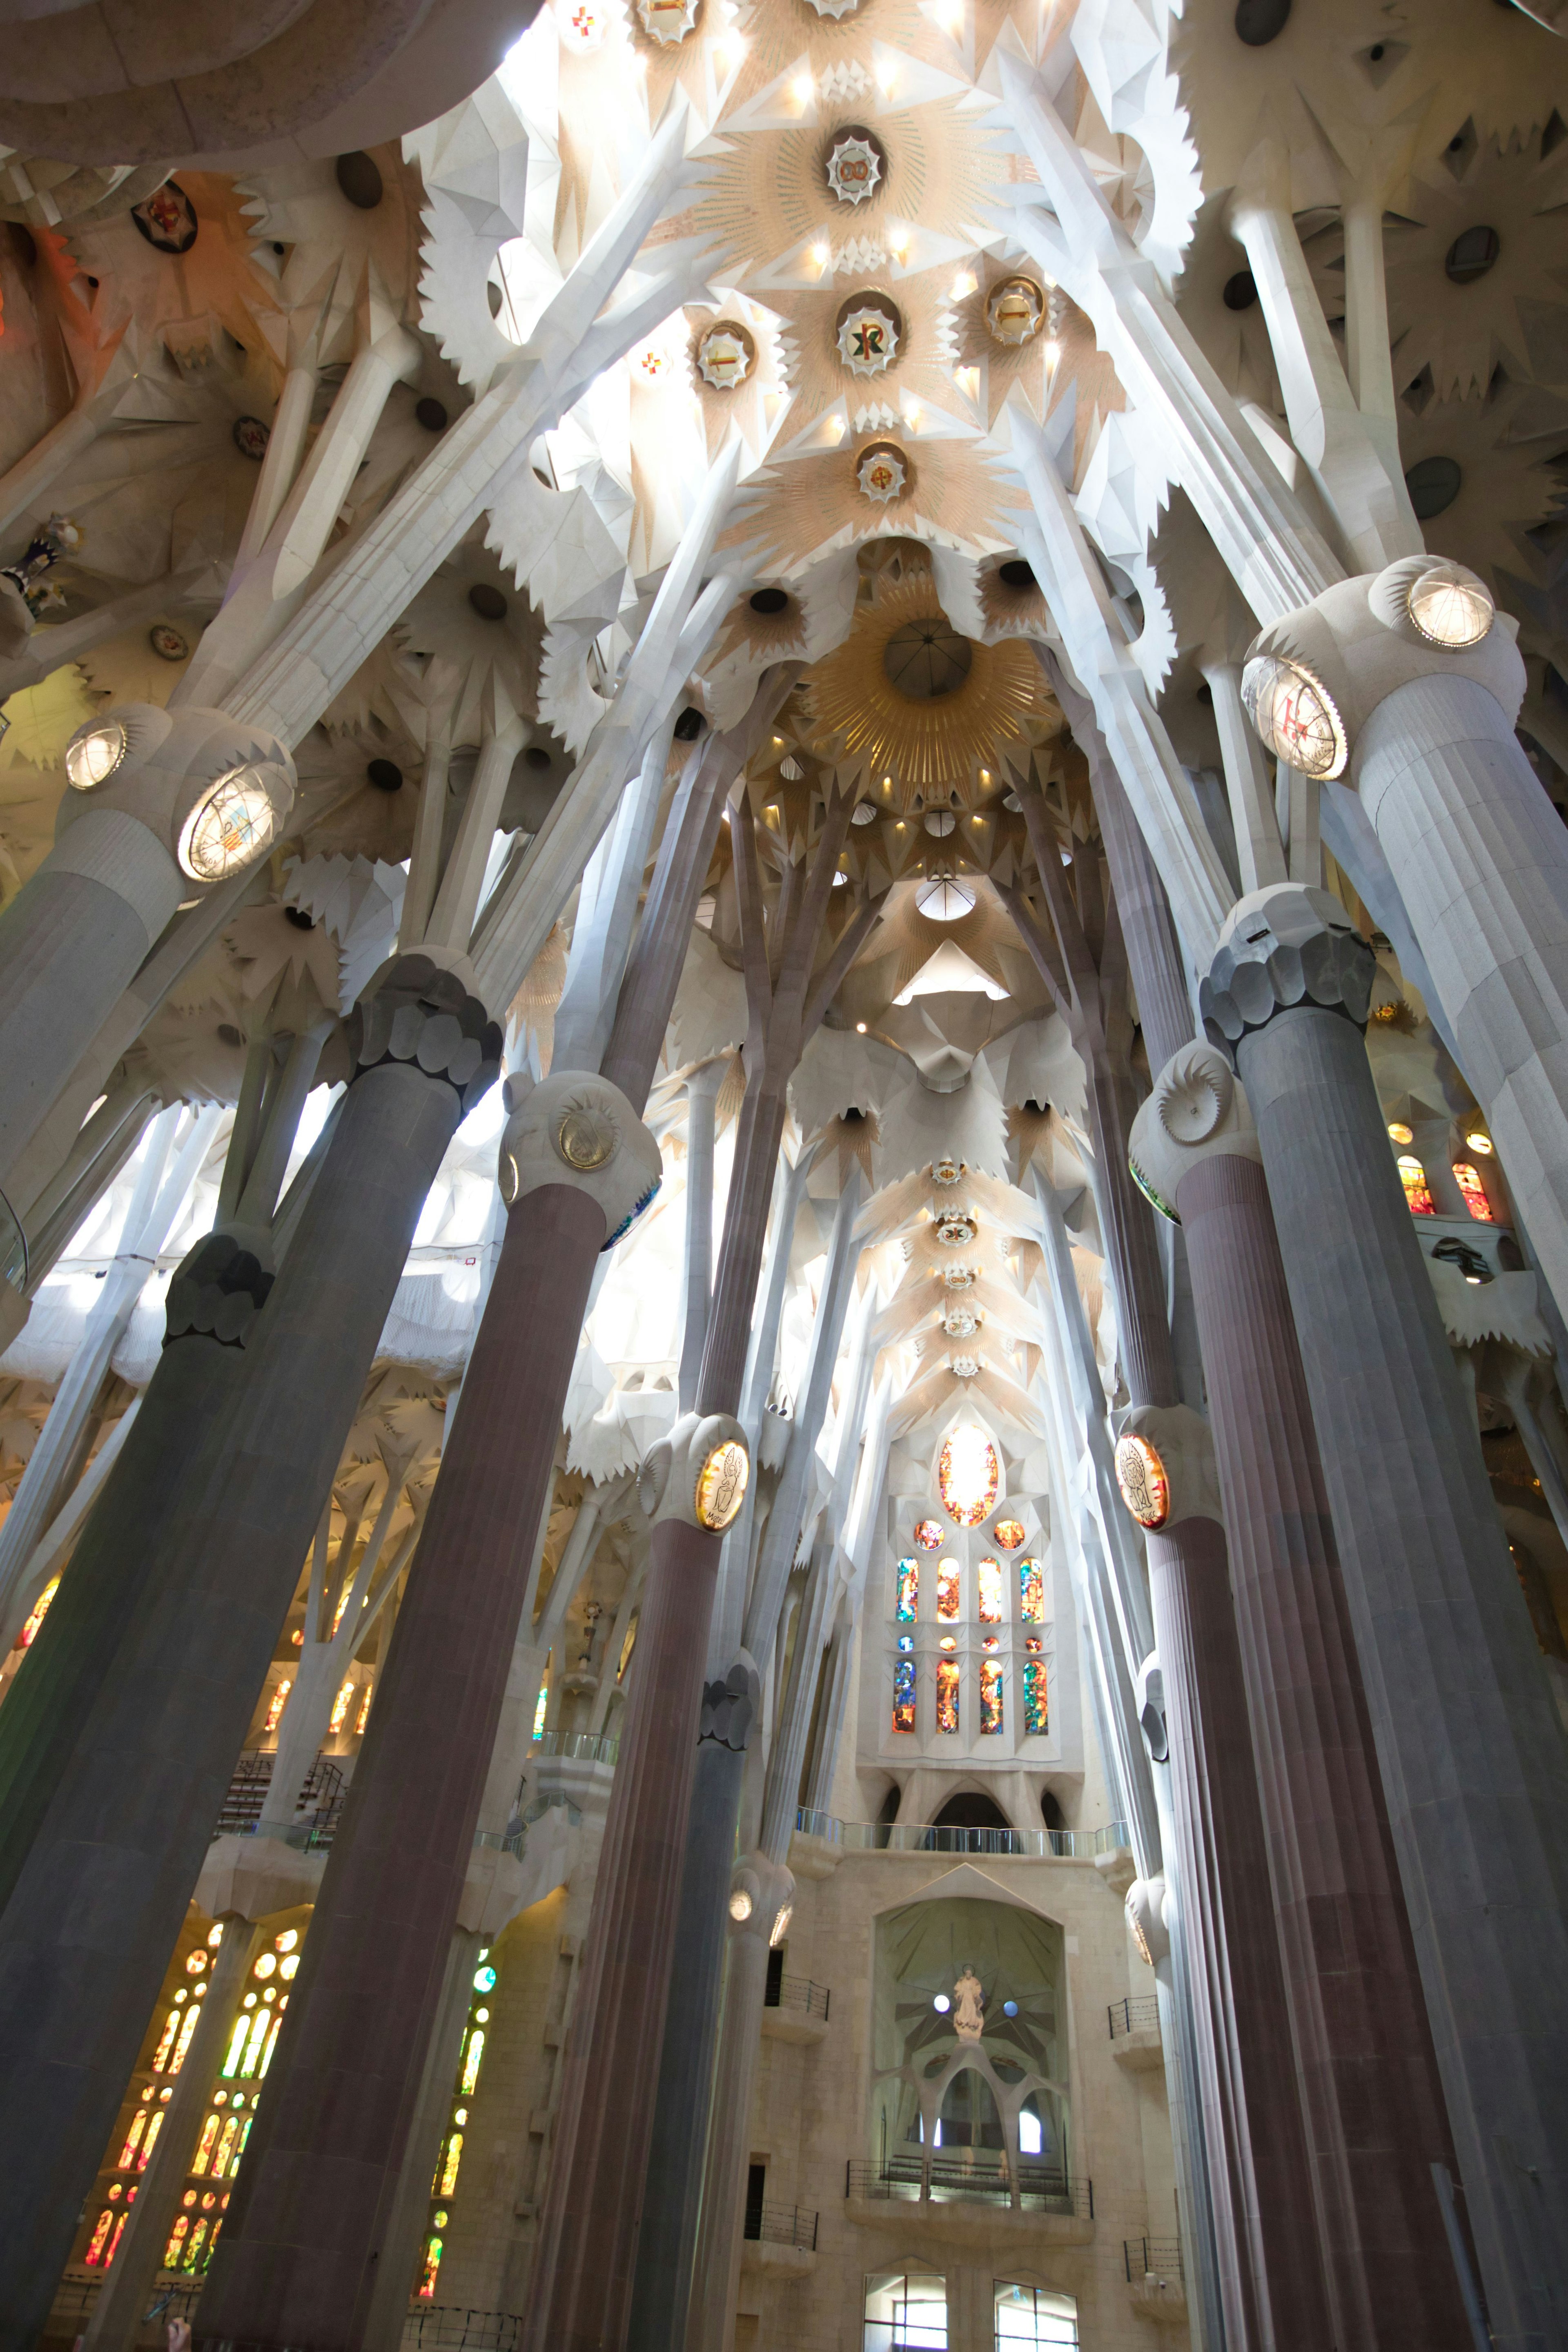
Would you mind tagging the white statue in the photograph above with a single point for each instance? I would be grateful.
(969, 2002)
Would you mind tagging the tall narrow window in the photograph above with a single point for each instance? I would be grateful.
(226, 2139)
(1476, 1201)
(990, 1582)
(209, 2134)
(968, 1475)
(1037, 1711)
(278, 1703)
(429, 2268)
(340, 1706)
(1413, 1176)
(447, 2168)
(1031, 1592)
(364, 1716)
(947, 1592)
(473, 2059)
(908, 1590)
(991, 1695)
(947, 1694)
(176, 2244)
(903, 1695)
(99, 2238)
(187, 2028)
(166, 2042)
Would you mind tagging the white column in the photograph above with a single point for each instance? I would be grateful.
(1260, 852)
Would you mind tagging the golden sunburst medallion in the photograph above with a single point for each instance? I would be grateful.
(882, 473)
(725, 355)
(667, 21)
(855, 164)
(1016, 309)
(868, 332)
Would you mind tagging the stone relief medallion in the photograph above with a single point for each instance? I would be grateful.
(668, 21)
(1016, 310)
(955, 1229)
(944, 1170)
(965, 1368)
(961, 1323)
(1141, 1476)
(585, 1140)
(856, 164)
(882, 473)
(251, 436)
(725, 355)
(957, 1277)
(167, 643)
(868, 334)
(167, 219)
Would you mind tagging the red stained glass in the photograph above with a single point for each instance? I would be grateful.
(947, 1694)
(1476, 1201)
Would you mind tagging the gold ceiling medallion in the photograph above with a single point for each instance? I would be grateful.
(957, 1277)
(957, 1228)
(882, 473)
(722, 1485)
(856, 164)
(947, 1172)
(725, 355)
(585, 1140)
(868, 332)
(667, 21)
(1141, 1476)
(835, 8)
(1016, 310)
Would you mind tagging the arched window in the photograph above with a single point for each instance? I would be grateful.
(1413, 1176)
(969, 2115)
(1034, 2319)
(1469, 1184)
(905, 2309)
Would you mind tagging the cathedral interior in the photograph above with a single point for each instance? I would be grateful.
(784, 1175)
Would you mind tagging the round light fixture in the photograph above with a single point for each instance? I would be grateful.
(1140, 1474)
(1481, 1143)
(230, 827)
(941, 2003)
(1294, 716)
(1450, 606)
(740, 1905)
(781, 1926)
(92, 756)
(1399, 1132)
(722, 1485)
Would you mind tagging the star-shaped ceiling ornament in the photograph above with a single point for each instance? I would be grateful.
(668, 21)
(854, 162)
(883, 472)
(868, 334)
(1016, 310)
(725, 355)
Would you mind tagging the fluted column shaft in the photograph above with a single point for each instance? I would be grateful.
(1374, 2104)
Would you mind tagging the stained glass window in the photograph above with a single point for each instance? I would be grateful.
(447, 2170)
(473, 2060)
(1037, 1711)
(177, 2236)
(991, 1695)
(278, 1703)
(429, 2268)
(226, 2148)
(184, 2043)
(928, 1535)
(990, 1592)
(205, 2148)
(1469, 1184)
(903, 1695)
(1008, 1533)
(271, 2039)
(947, 1591)
(133, 2140)
(968, 1475)
(235, 2047)
(906, 1641)
(908, 1590)
(193, 2251)
(29, 1631)
(1413, 1176)
(99, 2238)
(340, 1706)
(258, 2025)
(947, 1694)
(364, 1716)
(539, 1705)
(1031, 1592)
(172, 2027)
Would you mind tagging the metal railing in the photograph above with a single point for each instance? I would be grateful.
(1140, 2016)
(447, 2328)
(799, 1994)
(1158, 2258)
(912, 1837)
(782, 2225)
(315, 1815)
(1038, 2189)
(74, 2298)
(589, 1747)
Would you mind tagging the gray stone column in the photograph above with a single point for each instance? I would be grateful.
(98, 1904)
(1473, 1761)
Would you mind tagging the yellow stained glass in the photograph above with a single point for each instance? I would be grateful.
(429, 2267)
(177, 2236)
(193, 2251)
(364, 1716)
(990, 1580)
(447, 2180)
(28, 1633)
(226, 2142)
(236, 2047)
(205, 2148)
(1413, 1176)
(166, 2042)
(271, 2042)
(1476, 1201)
(133, 2140)
(947, 1591)
(340, 1706)
(99, 2238)
(473, 2059)
(1008, 1533)
(259, 2024)
(947, 1694)
(991, 1695)
(184, 2043)
(928, 1535)
(968, 1475)
(278, 1701)
(154, 2125)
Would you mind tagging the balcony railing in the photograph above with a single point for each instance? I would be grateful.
(316, 1814)
(913, 1837)
(1158, 2258)
(1140, 2016)
(983, 2180)
(588, 1747)
(74, 2298)
(447, 2328)
(798, 1995)
(782, 2225)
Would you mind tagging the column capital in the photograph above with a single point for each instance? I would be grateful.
(1285, 946)
(761, 1898)
(697, 1474)
(1198, 1110)
(1165, 1468)
(729, 1706)
(212, 790)
(1314, 676)
(421, 1009)
(574, 1127)
(220, 1286)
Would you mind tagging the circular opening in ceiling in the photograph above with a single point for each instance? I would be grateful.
(941, 821)
(926, 659)
(1016, 573)
(689, 724)
(431, 413)
(1240, 291)
(1258, 22)
(385, 775)
(943, 899)
(769, 601)
(360, 180)
(300, 919)
(536, 757)
(488, 602)
(1472, 254)
(1434, 485)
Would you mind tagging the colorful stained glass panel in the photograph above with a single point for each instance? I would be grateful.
(1031, 1592)
(1036, 1709)
(968, 1475)
(947, 1694)
(1476, 1201)
(908, 1590)
(990, 1580)
(1413, 1176)
(928, 1535)
(904, 1694)
(991, 1695)
(947, 1591)
(1008, 1533)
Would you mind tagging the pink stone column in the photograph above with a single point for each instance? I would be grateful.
(1373, 2105)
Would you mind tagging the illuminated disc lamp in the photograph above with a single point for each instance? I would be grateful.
(1295, 716)
(1450, 606)
(92, 756)
(1141, 1476)
(230, 827)
(722, 1485)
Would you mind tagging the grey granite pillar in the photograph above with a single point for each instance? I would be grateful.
(1473, 1761)
(98, 1902)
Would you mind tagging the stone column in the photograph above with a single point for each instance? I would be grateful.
(297, 2263)
(701, 1094)
(98, 1904)
(1373, 2102)
(139, 2257)
(123, 859)
(1472, 1758)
